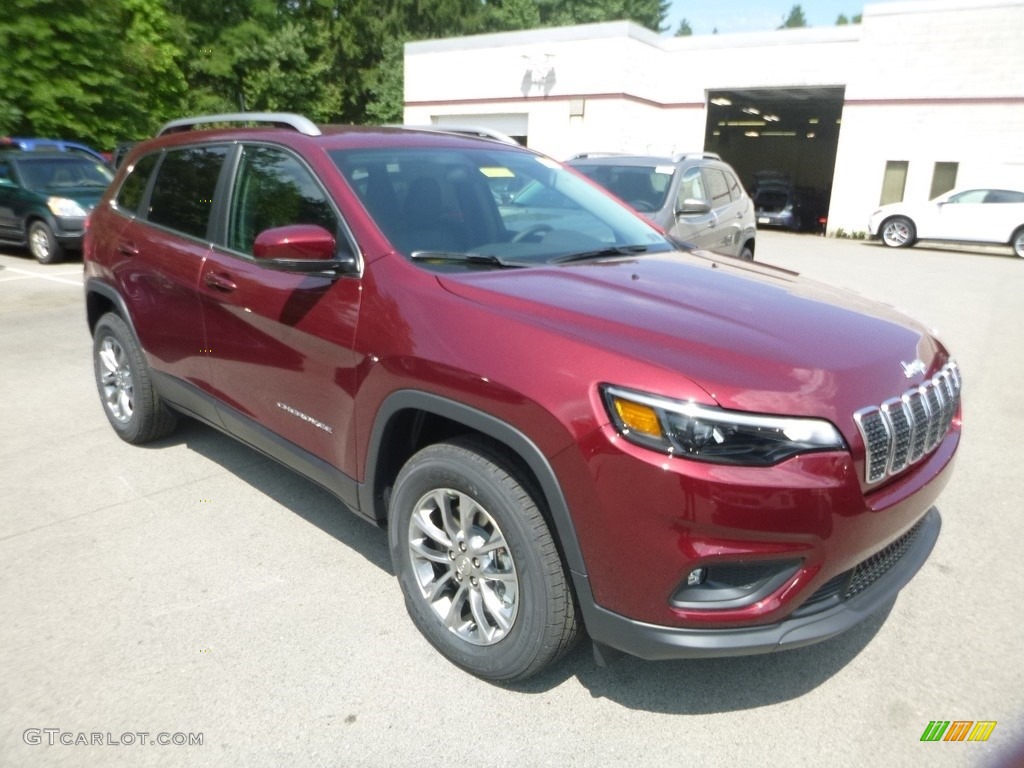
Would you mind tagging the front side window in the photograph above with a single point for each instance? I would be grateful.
(273, 189)
(129, 197)
(735, 188)
(718, 187)
(970, 196)
(182, 195)
(691, 186)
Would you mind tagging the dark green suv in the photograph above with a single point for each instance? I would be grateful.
(45, 198)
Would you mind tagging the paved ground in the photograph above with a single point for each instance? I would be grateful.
(193, 587)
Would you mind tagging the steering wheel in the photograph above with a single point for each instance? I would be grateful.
(641, 205)
(536, 229)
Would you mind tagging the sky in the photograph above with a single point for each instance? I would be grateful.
(755, 15)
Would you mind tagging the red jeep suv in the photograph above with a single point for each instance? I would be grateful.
(563, 418)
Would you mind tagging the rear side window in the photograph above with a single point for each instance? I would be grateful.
(273, 189)
(129, 197)
(183, 192)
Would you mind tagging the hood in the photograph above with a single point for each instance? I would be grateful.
(752, 337)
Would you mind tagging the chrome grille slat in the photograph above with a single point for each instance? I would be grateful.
(904, 429)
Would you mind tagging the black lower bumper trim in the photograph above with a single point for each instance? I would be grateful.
(651, 641)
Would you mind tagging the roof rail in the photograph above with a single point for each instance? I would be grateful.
(584, 155)
(279, 119)
(705, 155)
(465, 130)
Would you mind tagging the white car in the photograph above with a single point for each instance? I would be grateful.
(993, 216)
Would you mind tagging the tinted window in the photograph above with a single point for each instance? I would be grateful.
(183, 194)
(130, 195)
(273, 189)
(1004, 196)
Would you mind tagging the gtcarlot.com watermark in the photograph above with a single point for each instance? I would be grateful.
(53, 737)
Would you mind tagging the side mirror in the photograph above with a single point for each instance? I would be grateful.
(691, 206)
(301, 248)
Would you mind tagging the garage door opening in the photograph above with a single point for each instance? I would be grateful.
(782, 138)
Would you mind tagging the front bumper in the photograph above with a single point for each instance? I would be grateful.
(803, 627)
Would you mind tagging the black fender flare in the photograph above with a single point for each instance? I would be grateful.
(494, 428)
(96, 286)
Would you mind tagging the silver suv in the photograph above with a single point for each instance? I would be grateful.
(696, 197)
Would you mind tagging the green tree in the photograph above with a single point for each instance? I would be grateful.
(97, 70)
(795, 18)
(684, 29)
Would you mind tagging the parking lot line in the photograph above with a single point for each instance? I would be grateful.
(56, 278)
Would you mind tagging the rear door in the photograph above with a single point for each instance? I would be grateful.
(155, 242)
(280, 343)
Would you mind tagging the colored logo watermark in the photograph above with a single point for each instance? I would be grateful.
(958, 730)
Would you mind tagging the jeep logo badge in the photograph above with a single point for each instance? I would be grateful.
(917, 366)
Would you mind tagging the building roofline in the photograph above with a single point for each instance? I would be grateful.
(535, 38)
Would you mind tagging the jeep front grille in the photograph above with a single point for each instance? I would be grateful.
(905, 429)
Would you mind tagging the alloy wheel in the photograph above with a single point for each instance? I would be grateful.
(463, 566)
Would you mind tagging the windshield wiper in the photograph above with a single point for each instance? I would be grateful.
(448, 257)
(615, 250)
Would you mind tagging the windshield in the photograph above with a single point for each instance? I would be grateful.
(63, 173)
(644, 187)
(521, 208)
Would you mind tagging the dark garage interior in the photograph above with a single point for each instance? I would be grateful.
(791, 132)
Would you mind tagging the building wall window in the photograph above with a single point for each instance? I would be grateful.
(894, 182)
(943, 178)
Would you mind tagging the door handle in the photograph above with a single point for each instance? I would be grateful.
(127, 249)
(220, 282)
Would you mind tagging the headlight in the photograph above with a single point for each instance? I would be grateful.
(693, 431)
(61, 206)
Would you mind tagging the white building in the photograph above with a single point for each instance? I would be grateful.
(919, 96)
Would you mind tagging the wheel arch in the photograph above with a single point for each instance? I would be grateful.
(101, 298)
(409, 420)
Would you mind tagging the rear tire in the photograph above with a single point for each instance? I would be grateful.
(747, 252)
(130, 402)
(43, 244)
(899, 232)
(482, 578)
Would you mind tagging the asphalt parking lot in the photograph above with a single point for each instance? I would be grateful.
(194, 590)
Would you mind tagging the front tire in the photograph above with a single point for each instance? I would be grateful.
(482, 578)
(42, 243)
(130, 402)
(899, 232)
(1018, 242)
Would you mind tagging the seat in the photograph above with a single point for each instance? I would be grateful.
(426, 226)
